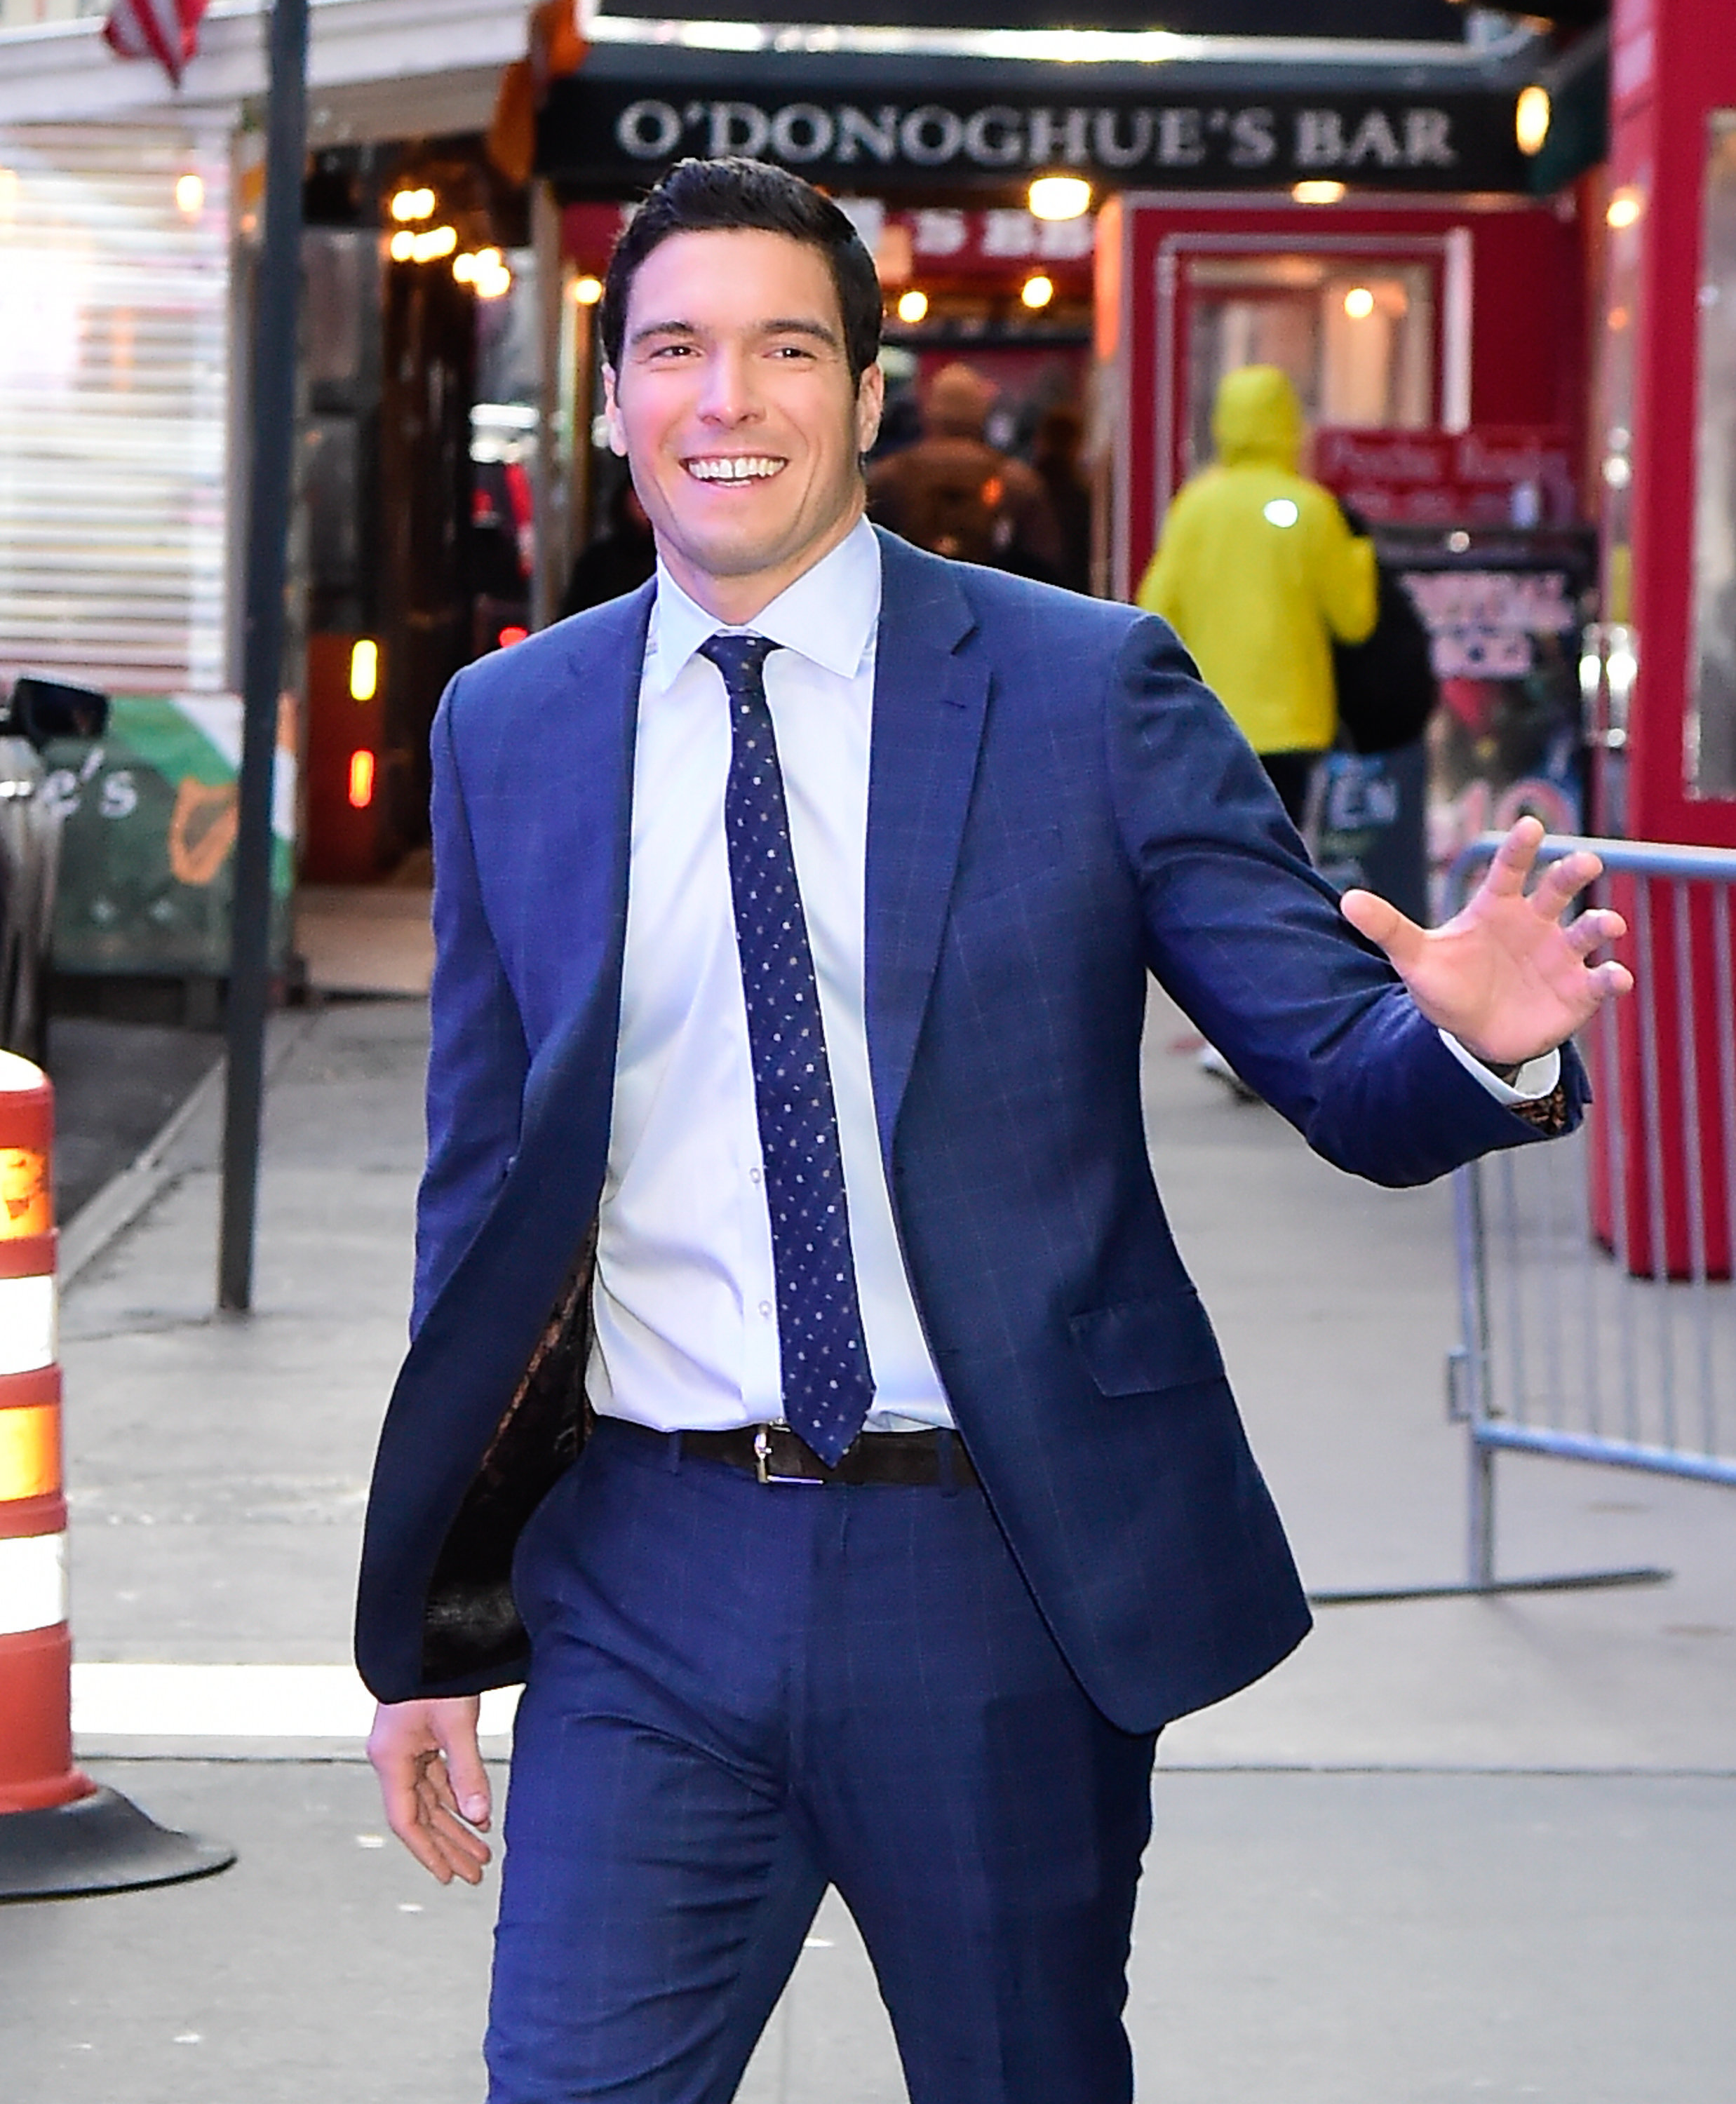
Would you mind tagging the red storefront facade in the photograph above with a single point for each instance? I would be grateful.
(1482, 298)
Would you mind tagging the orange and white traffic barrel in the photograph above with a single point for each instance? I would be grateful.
(59, 1832)
(36, 1645)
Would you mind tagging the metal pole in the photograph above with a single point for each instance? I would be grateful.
(1480, 1576)
(274, 395)
(549, 487)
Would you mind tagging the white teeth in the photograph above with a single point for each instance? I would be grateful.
(739, 468)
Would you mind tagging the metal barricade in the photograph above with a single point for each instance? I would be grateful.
(1597, 1304)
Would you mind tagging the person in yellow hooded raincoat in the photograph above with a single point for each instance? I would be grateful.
(1258, 571)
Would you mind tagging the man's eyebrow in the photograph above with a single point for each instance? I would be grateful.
(801, 325)
(662, 328)
(778, 325)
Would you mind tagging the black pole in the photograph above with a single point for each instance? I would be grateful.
(273, 401)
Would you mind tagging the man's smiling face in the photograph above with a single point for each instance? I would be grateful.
(736, 409)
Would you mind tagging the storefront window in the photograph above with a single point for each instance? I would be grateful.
(1711, 747)
(1357, 339)
(32, 14)
(114, 406)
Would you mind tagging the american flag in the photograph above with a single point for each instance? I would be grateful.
(165, 30)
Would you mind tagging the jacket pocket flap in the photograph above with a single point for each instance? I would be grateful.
(1137, 1347)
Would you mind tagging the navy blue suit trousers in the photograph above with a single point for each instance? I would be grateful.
(740, 1694)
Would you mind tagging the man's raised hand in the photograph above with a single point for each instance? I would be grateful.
(433, 1783)
(1506, 976)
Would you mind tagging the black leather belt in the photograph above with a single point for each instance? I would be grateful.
(774, 1454)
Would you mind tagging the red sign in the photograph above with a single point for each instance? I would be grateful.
(925, 247)
(589, 232)
(948, 242)
(1489, 475)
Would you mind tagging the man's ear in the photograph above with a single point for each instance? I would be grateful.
(612, 414)
(871, 400)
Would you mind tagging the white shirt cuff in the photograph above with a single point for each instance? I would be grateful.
(1535, 1080)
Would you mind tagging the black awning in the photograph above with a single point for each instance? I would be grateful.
(1395, 21)
(878, 126)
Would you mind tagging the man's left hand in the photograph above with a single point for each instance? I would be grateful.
(1506, 976)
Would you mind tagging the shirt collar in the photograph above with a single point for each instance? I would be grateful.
(829, 615)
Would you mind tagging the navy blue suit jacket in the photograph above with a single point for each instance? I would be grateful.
(1057, 807)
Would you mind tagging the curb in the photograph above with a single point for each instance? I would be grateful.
(109, 1213)
(120, 1201)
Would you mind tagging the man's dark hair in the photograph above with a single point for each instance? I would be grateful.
(721, 196)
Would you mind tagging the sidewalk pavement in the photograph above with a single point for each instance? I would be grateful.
(1456, 1848)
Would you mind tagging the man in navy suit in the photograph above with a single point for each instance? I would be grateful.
(806, 1399)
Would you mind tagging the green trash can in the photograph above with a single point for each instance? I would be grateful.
(147, 856)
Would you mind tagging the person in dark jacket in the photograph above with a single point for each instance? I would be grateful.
(616, 562)
(1055, 454)
(956, 495)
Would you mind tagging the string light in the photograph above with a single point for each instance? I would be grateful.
(492, 278)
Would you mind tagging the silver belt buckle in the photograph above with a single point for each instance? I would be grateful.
(762, 1468)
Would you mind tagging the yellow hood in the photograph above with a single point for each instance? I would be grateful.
(1257, 417)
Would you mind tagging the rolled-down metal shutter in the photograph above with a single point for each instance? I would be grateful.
(114, 385)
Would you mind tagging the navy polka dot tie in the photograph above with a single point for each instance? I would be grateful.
(827, 1385)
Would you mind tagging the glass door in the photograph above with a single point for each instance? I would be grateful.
(1357, 329)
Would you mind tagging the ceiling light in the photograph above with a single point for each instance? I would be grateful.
(402, 245)
(1358, 303)
(190, 194)
(464, 267)
(587, 290)
(1060, 197)
(1531, 115)
(912, 307)
(408, 204)
(1037, 291)
(437, 242)
(1624, 209)
(1325, 191)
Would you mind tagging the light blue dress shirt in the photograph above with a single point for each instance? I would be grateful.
(685, 1299)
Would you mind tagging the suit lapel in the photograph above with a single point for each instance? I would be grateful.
(929, 703)
(607, 659)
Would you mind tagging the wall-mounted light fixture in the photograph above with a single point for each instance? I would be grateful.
(1060, 197)
(1531, 115)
